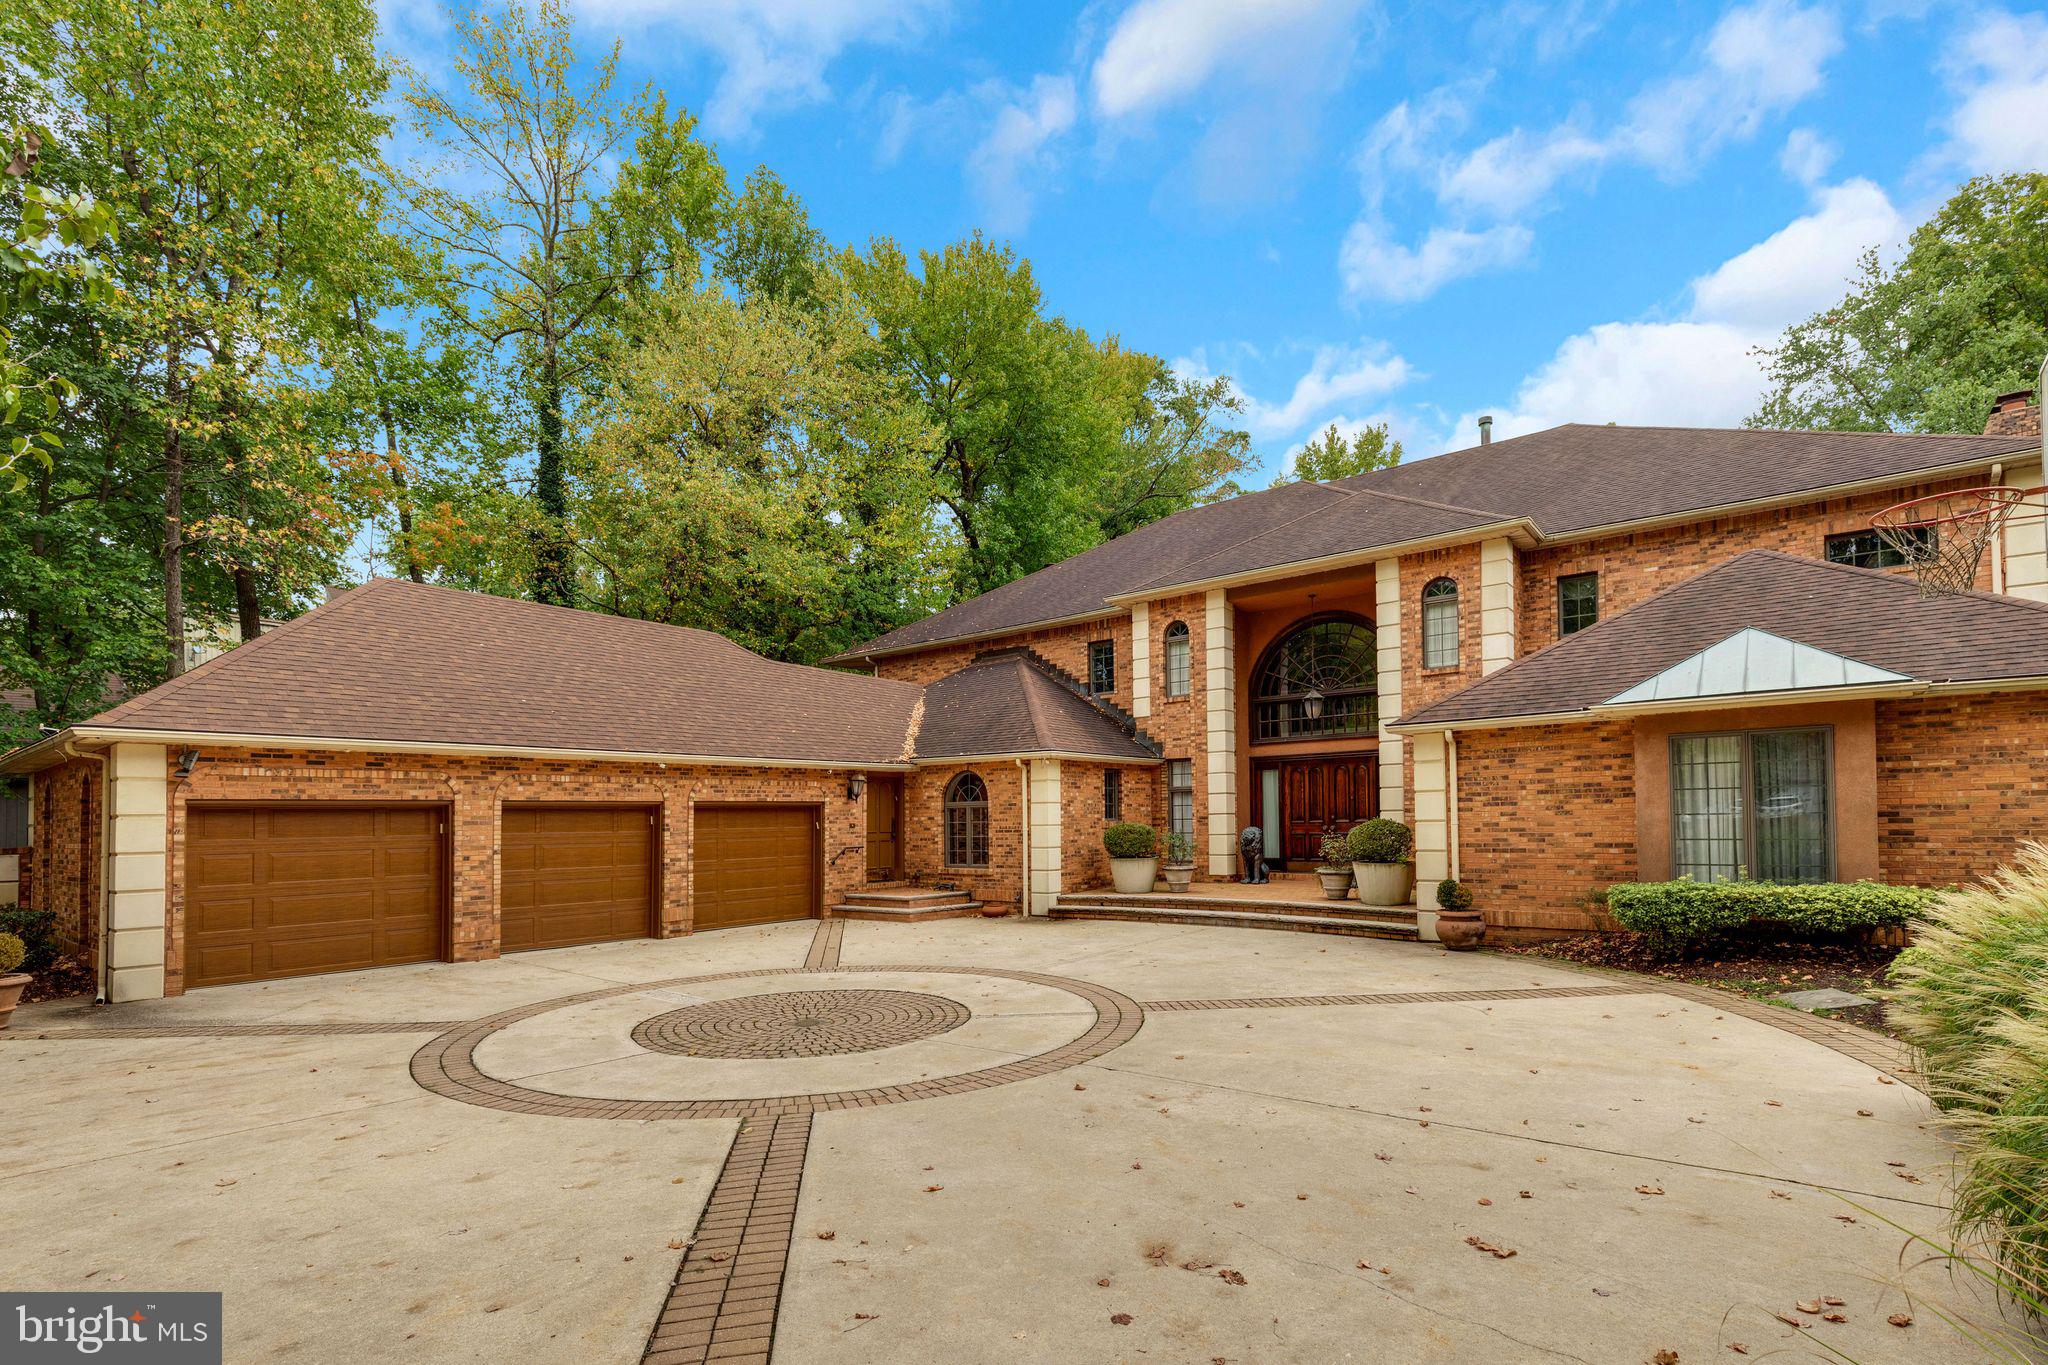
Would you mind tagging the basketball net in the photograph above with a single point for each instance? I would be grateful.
(1944, 536)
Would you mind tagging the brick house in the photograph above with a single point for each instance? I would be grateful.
(1585, 655)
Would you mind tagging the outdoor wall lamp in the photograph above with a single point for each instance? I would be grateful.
(856, 785)
(187, 761)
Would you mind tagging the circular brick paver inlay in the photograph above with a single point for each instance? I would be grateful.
(800, 1024)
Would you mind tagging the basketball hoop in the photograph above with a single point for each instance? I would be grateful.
(1943, 536)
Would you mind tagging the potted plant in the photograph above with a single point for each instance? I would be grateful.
(1180, 862)
(1335, 871)
(1458, 925)
(1133, 856)
(12, 982)
(1379, 862)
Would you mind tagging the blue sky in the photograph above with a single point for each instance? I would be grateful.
(1574, 212)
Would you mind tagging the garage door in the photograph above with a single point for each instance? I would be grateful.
(576, 874)
(294, 889)
(754, 864)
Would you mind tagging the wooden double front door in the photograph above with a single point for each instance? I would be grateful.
(1301, 799)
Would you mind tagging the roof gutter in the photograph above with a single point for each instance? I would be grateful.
(1519, 529)
(47, 752)
(1025, 756)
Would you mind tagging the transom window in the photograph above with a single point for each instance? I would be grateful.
(1180, 798)
(966, 812)
(1753, 806)
(1578, 602)
(1179, 650)
(1321, 678)
(1440, 624)
(1101, 667)
(1867, 550)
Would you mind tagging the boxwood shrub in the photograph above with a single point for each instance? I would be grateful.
(1380, 841)
(37, 930)
(1689, 912)
(1130, 840)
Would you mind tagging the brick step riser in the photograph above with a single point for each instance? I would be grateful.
(1336, 910)
(889, 900)
(1340, 927)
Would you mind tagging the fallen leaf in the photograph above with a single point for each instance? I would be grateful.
(1381, 1156)
(1649, 1189)
(1665, 1358)
(1808, 1305)
(1886, 1080)
(1237, 1203)
(1779, 1194)
(933, 1189)
(1863, 1113)
(1830, 1301)
(1900, 1319)
(1844, 1218)
(1120, 1319)
(1788, 1319)
(1832, 1317)
(827, 1236)
(1908, 1177)
(1229, 1276)
(675, 1246)
(1738, 1348)
(865, 1317)
(1079, 1086)
(1102, 1283)
(1498, 1253)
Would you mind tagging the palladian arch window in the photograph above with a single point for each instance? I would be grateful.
(1440, 624)
(1321, 678)
(966, 811)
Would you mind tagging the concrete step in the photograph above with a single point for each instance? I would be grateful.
(897, 897)
(955, 908)
(1397, 925)
(1257, 905)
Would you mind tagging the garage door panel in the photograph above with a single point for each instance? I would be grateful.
(575, 874)
(754, 865)
(290, 890)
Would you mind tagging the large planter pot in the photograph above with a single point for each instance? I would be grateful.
(1460, 930)
(11, 988)
(1385, 883)
(1133, 876)
(1178, 876)
(1336, 882)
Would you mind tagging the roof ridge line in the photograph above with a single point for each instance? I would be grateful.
(1431, 502)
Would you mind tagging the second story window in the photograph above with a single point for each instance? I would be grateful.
(1578, 602)
(1179, 656)
(1440, 624)
(1867, 550)
(1101, 668)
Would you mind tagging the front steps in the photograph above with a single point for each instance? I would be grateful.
(905, 904)
(1243, 912)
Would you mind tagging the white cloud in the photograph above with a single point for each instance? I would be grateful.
(1018, 150)
(1372, 266)
(1760, 60)
(1336, 376)
(1807, 156)
(1700, 370)
(775, 52)
(1508, 175)
(1998, 72)
(1164, 50)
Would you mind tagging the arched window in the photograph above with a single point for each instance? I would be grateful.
(1440, 624)
(1321, 678)
(967, 822)
(1179, 672)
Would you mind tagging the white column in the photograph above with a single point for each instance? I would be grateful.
(137, 796)
(1496, 604)
(1141, 660)
(2025, 539)
(1387, 617)
(1432, 815)
(1043, 822)
(1220, 640)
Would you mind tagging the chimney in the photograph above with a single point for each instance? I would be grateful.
(2014, 414)
(1486, 430)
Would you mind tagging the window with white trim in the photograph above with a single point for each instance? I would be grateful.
(1180, 797)
(1440, 624)
(1179, 660)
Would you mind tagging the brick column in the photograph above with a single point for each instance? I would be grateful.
(1220, 666)
(1496, 604)
(138, 827)
(1043, 821)
(1141, 661)
(1387, 627)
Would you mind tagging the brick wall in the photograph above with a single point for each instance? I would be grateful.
(1633, 567)
(1961, 783)
(1064, 647)
(924, 827)
(474, 788)
(1084, 863)
(62, 873)
(1179, 725)
(1546, 818)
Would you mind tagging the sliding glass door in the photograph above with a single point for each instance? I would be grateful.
(1753, 805)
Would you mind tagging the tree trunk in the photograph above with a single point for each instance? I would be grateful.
(551, 549)
(174, 523)
(248, 608)
(407, 549)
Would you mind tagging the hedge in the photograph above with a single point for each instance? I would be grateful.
(1688, 911)
(1130, 840)
(1380, 841)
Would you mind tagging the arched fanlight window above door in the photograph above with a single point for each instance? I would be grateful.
(1320, 678)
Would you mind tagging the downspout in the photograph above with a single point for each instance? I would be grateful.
(1024, 835)
(69, 749)
(1451, 797)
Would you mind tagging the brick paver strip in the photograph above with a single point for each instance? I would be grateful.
(1264, 1002)
(197, 1030)
(727, 1290)
(447, 1066)
(825, 944)
(800, 1024)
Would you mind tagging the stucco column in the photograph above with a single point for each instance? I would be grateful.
(1387, 658)
(2025, 538)
(1042, 822)
(1141, 660)
(138, 805)
(1220, 638)
(1496, 604)
(1433, 797)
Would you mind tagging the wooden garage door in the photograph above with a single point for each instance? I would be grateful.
(289, 890)
(754, 865)
(576, 874)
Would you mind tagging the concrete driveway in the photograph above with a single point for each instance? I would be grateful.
(980, 1141)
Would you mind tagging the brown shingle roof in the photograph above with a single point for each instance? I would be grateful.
(1566, 480)
(1873, 617)
(404, 662)
(1006, 702)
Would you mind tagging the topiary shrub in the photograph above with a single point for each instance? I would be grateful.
(37, 930)
(12, 951)
(1452, 896)
(1179, 849)
(1131, 840)
(1379, 841)
(1687, 912)
(1336, 851)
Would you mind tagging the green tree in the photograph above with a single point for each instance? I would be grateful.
(542, 244)
(1333, 456)
(1927, 344)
